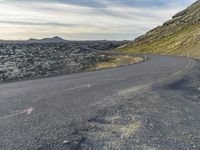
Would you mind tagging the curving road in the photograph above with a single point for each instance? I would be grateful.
(150, 105)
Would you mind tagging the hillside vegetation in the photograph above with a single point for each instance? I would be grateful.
(178, 36)
(116, 61)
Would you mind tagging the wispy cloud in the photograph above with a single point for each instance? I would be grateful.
(84, 19)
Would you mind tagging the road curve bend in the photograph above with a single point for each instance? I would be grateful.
(150, 105)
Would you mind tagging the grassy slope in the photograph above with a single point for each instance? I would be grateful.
(179, 36)
(118, 60)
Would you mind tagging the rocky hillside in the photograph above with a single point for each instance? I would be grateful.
(178, 36)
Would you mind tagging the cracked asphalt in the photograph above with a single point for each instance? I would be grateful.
(153, 105)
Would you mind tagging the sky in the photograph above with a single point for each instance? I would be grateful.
(84, 19)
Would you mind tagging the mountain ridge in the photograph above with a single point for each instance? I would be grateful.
(55, 39)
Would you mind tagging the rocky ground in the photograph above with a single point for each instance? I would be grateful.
(29, 60)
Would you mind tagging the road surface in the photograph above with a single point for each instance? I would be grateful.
(150, 105)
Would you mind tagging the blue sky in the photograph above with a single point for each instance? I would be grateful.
(84, 19)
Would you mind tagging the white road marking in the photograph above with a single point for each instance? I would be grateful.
(199, 88)
(187, 66)
(176, 73)
(189, 63)
(79, 87)
(133, 89)
(26, 111)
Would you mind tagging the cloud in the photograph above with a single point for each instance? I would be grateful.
(37, 23)
(104, 3)
(159, 4)
(84, 19)
(85, 3)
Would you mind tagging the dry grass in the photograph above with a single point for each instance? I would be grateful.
(113, 132)
(183, 43)
(118, 60)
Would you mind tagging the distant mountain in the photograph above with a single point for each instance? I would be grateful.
(11, 41)
(178, 36)
(55, 39)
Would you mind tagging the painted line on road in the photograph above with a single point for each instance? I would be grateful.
(79, 87)
(176, 73)
(133, 89)
(187, 66)
(26, 111)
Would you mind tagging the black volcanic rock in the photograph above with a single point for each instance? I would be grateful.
(50, 57)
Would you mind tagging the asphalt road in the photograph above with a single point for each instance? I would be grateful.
(150, 105)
